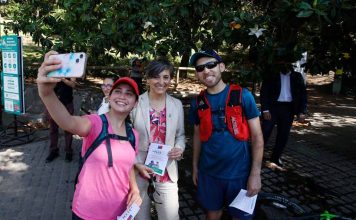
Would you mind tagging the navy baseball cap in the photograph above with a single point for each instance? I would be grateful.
(204, 53)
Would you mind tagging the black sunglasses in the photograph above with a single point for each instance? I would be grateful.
(151, 189)
(209, 65)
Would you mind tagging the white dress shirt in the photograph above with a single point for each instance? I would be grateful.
(285, 95)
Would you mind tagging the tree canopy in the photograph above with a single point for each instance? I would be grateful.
(247, 31)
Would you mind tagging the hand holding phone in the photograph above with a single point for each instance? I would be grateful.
(73, 65)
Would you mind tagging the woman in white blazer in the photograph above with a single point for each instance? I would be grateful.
(159, 118)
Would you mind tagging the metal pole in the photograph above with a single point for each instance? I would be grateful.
(177, 76)
(15, 125)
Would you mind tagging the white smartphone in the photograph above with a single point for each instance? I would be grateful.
(73, 65)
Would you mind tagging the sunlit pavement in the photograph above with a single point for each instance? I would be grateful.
(318, 179)
(31, 189)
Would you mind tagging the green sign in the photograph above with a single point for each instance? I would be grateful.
(12, 78)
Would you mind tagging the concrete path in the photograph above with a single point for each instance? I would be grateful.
(31, 189)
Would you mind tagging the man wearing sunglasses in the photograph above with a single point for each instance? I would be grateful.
(225, 118)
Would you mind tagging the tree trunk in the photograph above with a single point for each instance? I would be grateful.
(184, 63)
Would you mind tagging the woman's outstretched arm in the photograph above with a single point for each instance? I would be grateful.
(74, 124)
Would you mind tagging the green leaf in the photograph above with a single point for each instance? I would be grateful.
(324, 2)
(166, 4)
(318, 12)
(305, 14)
(287, 2)
(304, 6)
(333, 12)
(184, 12)
(327, 19)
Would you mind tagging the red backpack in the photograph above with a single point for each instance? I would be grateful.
(234, 117)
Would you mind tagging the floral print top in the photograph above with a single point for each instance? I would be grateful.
(158, 134)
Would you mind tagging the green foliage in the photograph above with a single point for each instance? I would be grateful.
(291, 27)
(255, 31)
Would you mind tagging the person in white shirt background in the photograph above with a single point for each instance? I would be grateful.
(105, 87)
(283, 95)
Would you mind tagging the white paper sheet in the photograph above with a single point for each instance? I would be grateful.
(243, 202)
(129, 213)
(157, 157)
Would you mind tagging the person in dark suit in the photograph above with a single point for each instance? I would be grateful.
(283, 95)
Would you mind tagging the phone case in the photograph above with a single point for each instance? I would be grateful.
(73, 65)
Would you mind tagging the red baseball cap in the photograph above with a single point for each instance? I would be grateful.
(128, 81)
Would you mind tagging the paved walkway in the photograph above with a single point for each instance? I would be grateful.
(31, 189)
(318, 177)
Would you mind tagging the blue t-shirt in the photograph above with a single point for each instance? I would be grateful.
(223, 156)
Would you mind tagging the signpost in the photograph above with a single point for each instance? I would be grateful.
(12, 75)
(12, 82)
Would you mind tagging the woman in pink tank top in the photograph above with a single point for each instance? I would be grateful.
(106, 184)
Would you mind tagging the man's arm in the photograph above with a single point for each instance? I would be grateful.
(265, 95)
(302, 96)
(254, 180)
(196, 153)
(265, 100)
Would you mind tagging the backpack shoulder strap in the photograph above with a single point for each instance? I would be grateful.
(202, 102)
(235, 95)
(130, 135)
(104, 135)
(99, 139)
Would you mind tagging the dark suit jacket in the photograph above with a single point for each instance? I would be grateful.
(271, 88)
